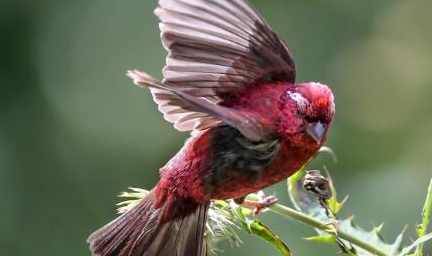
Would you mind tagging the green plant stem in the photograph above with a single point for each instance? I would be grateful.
(308, 220)
(422, 228)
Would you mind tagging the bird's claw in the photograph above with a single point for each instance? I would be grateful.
(263, 203)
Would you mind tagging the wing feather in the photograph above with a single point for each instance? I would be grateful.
(216, 49)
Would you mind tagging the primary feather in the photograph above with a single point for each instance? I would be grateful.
(216, 49)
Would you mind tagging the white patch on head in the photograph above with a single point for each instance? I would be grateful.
(301, 101)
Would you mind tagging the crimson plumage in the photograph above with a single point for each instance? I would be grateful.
(230, 80)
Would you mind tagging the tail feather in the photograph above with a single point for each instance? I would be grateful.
(192, 243)
(140, 232)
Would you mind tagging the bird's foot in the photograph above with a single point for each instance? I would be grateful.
(263, 203)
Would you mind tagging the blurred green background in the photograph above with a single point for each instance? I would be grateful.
(74, 131)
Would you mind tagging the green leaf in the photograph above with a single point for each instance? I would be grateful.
(134, 196)
(324, 238)
(303, 201)
(398, 243)
(421, 229)
(221, 225)
(416, 243)
(255, 227)
(297, 198)
(237, 211)
(334, 205)
(259, 229)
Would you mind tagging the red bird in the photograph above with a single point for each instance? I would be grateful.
(230, 80)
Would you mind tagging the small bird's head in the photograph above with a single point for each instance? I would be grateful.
(308, 112)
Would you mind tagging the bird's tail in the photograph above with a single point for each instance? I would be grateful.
(142, 231)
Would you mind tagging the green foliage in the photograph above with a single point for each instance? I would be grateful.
(421, 228)
(135, 196)
(225, 218)
(335, 226)
(255, 227)
(221, 225)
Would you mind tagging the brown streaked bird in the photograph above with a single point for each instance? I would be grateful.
(230, 81)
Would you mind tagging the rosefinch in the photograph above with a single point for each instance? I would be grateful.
(231, 81)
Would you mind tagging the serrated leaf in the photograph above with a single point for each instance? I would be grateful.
(334, 205)
(397, 245)
(417, 242)
(373, 237)
(301, 199)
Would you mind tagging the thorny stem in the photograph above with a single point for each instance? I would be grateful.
(301, 217)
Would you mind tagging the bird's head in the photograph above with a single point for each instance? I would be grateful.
(308, 111)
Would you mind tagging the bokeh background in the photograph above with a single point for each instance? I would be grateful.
(74, 131)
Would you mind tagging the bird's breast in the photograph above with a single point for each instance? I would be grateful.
(221, 163)
(238, 167)
(241, 182)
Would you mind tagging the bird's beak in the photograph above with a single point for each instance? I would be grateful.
(316, 131)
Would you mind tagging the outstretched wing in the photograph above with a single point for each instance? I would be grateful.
(220, 47)
(251, 126)
(216, 49)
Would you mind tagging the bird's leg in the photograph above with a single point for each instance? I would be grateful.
(261, 204)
